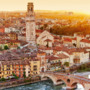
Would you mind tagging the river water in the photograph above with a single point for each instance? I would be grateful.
(44, 85)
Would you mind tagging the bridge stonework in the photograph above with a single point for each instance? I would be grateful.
(70, 80)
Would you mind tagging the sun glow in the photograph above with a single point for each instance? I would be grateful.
(86, 12)
(69, 5)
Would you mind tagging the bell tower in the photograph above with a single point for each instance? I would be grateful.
(30, 7)
(30, 24)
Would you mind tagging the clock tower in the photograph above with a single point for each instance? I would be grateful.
(30, 25)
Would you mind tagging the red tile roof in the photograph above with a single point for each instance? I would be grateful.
(62, 56)
(39, 31)
(85, 41)
(48, 40)
(68, 39)
(53, 58)
(74, 38)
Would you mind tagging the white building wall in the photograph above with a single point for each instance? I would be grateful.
(27, 69)
(11, 29)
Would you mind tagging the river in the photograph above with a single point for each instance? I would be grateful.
(44, 85)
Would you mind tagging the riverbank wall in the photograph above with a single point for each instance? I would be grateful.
(16, 83)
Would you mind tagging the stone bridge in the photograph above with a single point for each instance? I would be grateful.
(70, 80)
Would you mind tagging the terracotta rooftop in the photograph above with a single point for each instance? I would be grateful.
(85, 41)
(68, 39)
(51, 58)
(48, 40)
(62, 56)
(39, 31)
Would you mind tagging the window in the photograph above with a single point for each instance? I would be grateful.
(35, 67)
(28, 71)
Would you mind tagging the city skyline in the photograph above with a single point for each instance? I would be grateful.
(44, 50)
(69, 5)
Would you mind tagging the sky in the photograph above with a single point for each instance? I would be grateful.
(71, 5)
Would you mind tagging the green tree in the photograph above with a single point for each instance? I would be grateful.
(24, 74)
(18, 47)
(66, 64)
(83, 67)
(3, 79)
(6, 47)
(16, 77)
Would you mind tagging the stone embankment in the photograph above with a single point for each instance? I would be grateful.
(15, 83)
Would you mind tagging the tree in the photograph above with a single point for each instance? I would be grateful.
(83, 67)
(18, 47)
(24, 74)
(6, 47)
(66, 64)
(3, 79)
(16, 77)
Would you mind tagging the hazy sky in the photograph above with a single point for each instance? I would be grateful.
(75, 5)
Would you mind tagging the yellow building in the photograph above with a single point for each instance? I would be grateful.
(35, 67)
(30, 66)
(6, 70)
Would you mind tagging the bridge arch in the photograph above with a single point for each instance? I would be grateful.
(70, 80)
(54, 79)
(74, 84)
(50, 77)
(61, 81)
